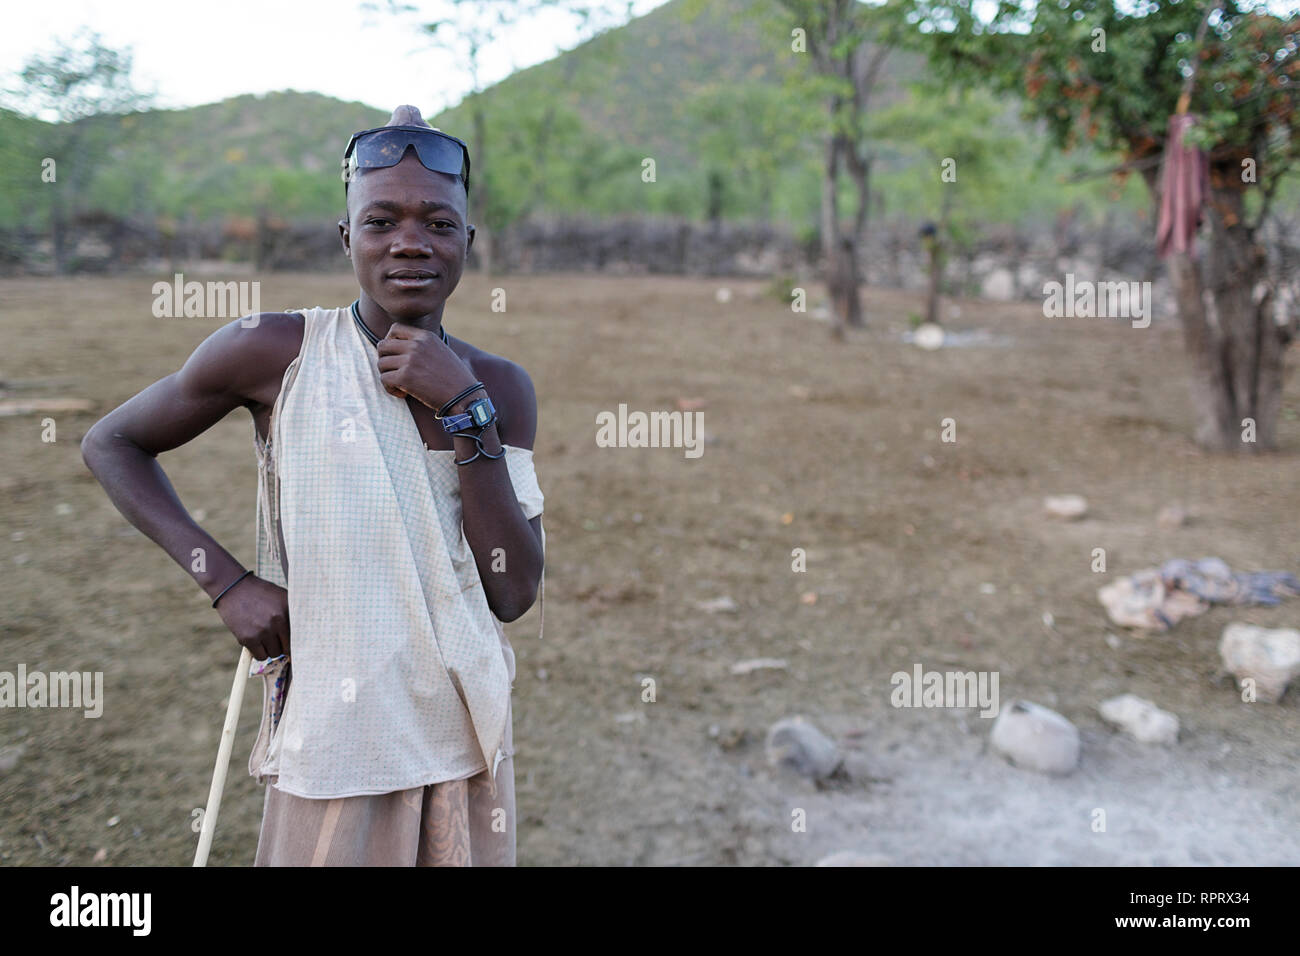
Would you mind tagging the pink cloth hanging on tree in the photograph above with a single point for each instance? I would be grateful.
(1184, 186)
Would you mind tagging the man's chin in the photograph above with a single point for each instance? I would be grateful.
(406, 307)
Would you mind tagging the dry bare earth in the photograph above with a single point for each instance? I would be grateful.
(900, 531)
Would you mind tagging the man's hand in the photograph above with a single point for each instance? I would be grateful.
(418, 363)
(257, 613)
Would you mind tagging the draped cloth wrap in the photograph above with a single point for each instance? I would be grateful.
(399, 674)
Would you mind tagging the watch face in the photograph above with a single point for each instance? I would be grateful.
(479, 412)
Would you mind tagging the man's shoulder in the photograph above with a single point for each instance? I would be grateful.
(268, 339)
(248, 355)
(512, 393)
(500, 370)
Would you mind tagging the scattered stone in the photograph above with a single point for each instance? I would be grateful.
(691, 404)
(631, 717)
(100, 855)
(928, 336)
(723, 295)
(808, 597)
(63, 509)
(114, 821)
(854, 858)
(1066, 507)
(9, 757)
(1114, 641)
(718, 605)
(759, 664)
(1140, 718)
(1270, 657)
(1036, 738)
(988, 588)
(1141, 600)
(999, 285)
(794, 743)
(1171, 516)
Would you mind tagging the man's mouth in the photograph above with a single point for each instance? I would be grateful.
(411, 278)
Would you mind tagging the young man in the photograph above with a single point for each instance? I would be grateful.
(399, 524)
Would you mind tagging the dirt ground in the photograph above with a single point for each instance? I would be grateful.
(830, 447)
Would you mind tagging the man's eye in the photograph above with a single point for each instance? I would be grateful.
(376, 222)
(444, 224)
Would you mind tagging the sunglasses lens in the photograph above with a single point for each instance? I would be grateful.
(386, 148)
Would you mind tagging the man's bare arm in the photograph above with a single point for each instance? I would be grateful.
(235, 366)
(491, 515)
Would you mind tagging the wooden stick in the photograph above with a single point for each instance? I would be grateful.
(223, 758)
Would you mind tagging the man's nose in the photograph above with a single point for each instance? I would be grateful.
(410, 239)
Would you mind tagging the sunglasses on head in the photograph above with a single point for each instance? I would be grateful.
(386, 145)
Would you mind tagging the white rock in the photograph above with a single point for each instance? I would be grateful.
(1140, 718)
(9, 757)
(723, 295)
(796, 744)
(855, 858)
(999, 285)
(718, 605)
(928, 336)
(759, 664)
(1036, 738)
(1270, 657)
(1171, 516)
(1069, 507)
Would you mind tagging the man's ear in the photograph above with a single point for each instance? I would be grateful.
(469, 244)
(345, 236)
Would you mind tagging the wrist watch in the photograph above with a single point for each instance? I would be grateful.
(479, 414)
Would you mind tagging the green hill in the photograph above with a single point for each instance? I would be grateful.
(696, 87)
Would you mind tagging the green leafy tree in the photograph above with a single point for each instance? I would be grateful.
(1113, 74)
(466, 30)
(752, 137)
(961, 149)
(84, 88)
(847, 44)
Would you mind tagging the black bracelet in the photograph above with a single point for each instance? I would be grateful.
(442, 412)
(479, 441)
(231, 585)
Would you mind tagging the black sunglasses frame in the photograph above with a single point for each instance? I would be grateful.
(351, 164)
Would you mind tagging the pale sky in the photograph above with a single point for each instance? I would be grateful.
(191, 53)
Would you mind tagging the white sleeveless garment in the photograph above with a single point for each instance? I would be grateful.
(400, 674)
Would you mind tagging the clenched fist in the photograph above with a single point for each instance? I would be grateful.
(257, 613)
(416, 362)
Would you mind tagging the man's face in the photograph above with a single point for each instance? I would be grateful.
(407, 236)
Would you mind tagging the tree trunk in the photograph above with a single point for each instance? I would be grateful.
(936, 274)
(835, 280)
(1235, 347)
(58, 231)
(483, 239)
(860, 171)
